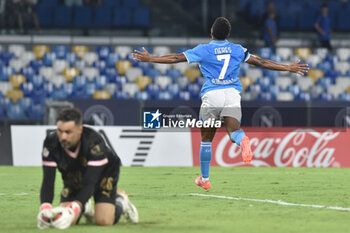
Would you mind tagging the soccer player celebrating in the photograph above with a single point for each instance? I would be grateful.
(220, 63)
(88, 167)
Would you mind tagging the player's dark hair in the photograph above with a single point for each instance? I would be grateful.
(221, 28)
(70, 114)
(324, 5)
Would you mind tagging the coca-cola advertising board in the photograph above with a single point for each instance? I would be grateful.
(281, 147)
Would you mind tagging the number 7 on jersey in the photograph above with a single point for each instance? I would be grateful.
(226, 57)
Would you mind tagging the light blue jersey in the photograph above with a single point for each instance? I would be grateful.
(219, 62)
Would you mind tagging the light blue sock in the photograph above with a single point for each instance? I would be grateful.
(205, 158)
(237, 136)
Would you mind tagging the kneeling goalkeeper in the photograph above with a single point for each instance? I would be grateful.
(88, 167)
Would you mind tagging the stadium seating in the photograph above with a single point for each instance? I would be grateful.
(63, 16)
(82, 16)
(58, 73)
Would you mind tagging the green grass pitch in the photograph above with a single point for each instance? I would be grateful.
(161, 196)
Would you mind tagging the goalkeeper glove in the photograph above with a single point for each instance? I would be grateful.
(64, 216)
(44, 216)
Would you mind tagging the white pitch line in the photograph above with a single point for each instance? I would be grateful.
(271, 201)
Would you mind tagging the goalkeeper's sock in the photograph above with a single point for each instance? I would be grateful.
(205, 158)
(237, 136)
(119, 208)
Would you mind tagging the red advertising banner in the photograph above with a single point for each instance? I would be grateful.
(281, 147)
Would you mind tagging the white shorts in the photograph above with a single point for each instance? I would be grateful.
(220, 103)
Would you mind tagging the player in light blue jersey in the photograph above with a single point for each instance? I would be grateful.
(220, 63)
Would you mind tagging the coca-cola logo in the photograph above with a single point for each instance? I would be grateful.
(298, 148)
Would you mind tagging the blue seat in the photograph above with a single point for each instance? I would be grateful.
(49, 88)
(59, 94)
(307, 19)
(100, 65)
(36, 112)
(173, 89)
(122, 17)
(60, 51)
(5, 57)
(344, 97)
(103, 52)
(67, 88)
(111, 3)
(110, 73)
(25, 103)
(200, 81)
(36, 65)
(265, 52)
(254, 88)
(27, 88)
(82, 16)
(304, 96)
(90, 89)
(141, 95)
(326, 97)
(173, 73)
(79, 94)
(271, 74)
(294, 89)
(324, 82)
(153, 73)
(324, 66)
(141, 17)
(119, 80)
(80, 82)
(5, 102)
(152, 90)
(27, 71)
(131, 3)
(16, 112)
(6, 72)
(103, 16)
(121, 95)
(266, 96)
(44, 14)
(49, 58)
(63, 16)
(100, 82)
(264, 83)
(143, 65)
(112, 59)
(274, 90)
(183, 95)
(51, 3)
(333, 74)
(164, 95)
(71, 58)
(343, 20)
(38, 81)
(38, 95)
(182, 49)
(288, 20)
(194, 90)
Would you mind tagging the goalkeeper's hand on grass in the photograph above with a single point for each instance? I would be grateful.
(45, 215)
(64, 216)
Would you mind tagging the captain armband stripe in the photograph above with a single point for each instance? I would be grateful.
(49, 164)
(97, 163)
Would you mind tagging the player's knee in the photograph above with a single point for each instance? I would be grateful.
(104, 221)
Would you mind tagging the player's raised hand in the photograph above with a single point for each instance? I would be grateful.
(299, 68)
(141, 56)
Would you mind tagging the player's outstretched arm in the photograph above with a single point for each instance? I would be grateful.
(167, 59)
(295, 67)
